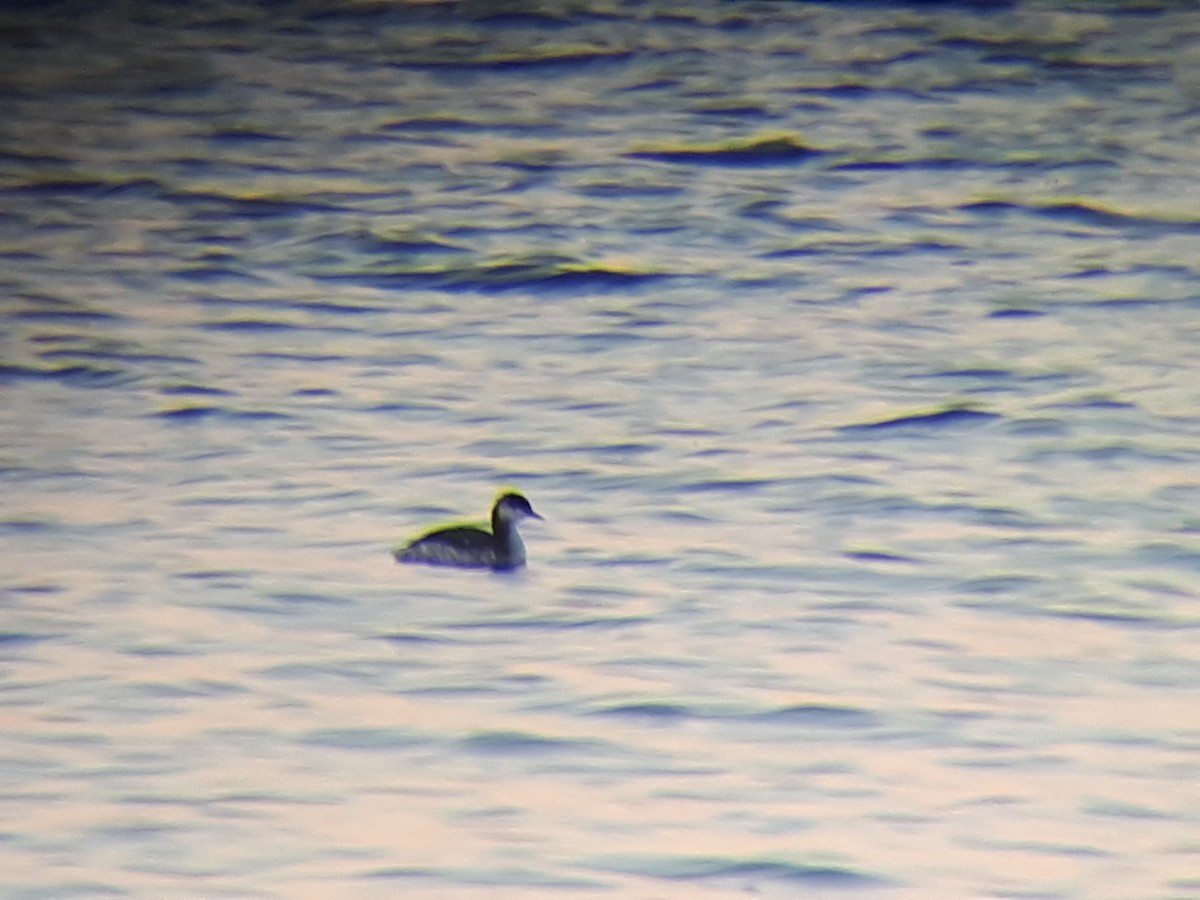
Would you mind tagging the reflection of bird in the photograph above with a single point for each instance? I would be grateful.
(475, 548)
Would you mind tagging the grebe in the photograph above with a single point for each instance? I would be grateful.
(474, 548)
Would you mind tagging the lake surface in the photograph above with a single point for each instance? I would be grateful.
(849, 351)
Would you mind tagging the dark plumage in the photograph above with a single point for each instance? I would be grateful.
(470, 547)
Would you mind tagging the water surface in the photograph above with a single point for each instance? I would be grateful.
(849, 351)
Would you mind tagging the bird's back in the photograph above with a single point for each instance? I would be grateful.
(459, 546)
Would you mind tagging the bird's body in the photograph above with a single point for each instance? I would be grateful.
(467, 546)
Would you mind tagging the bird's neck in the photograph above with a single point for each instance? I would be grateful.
(505, 531)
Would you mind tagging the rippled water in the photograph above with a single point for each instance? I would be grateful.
(849, 351)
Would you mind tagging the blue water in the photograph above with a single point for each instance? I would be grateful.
(849, 351)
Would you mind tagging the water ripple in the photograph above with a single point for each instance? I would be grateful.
(742, 872)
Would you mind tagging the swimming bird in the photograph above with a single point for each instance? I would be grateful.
(474, 548)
